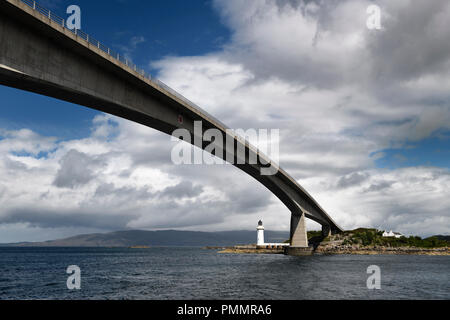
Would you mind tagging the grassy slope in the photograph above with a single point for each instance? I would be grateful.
(373, 237)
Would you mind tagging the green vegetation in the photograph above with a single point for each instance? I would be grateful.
(313, 234)
(373, 237)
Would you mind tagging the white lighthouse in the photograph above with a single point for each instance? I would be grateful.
(260, 234)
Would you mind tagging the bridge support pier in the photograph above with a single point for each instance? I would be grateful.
(299, 237)
(326, 231)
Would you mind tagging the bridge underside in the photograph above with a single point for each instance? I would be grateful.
(38, 55)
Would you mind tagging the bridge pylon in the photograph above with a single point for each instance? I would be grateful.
(299, 237)
(326, 231)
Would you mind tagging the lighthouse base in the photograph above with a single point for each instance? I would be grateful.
(298, 251)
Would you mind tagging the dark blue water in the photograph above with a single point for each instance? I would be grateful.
(194, 273)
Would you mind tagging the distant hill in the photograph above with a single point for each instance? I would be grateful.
(440, 237)
(159, 238)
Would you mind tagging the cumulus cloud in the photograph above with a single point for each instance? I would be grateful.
(413, 200)
(352, 179)
(104, 184)
(119, 194)
(339, 92)
(24, 141)
(76, 170)
(182, 190)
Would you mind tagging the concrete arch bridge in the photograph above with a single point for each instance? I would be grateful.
(39, 54)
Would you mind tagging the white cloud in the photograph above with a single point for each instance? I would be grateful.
(412, 200)
(105, 184)
(337, 91)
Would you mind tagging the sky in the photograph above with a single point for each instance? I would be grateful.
(364, 119)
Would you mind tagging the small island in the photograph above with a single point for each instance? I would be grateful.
(361, 241)
(372, 241)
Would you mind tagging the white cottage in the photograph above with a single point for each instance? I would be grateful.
(391, 234)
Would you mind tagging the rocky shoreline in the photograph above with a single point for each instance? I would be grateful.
(251, 250)
(330, 249)
(383, 250)
(338, 244)
(361, 241)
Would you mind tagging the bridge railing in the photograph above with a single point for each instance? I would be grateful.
(44, 11)
(55, 18)
(122, 59)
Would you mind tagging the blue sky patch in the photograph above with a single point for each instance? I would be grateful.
(433, 151)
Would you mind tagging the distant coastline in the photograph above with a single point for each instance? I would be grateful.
(341, 250)
(358, 242)
(385, 251)
(163, 238)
